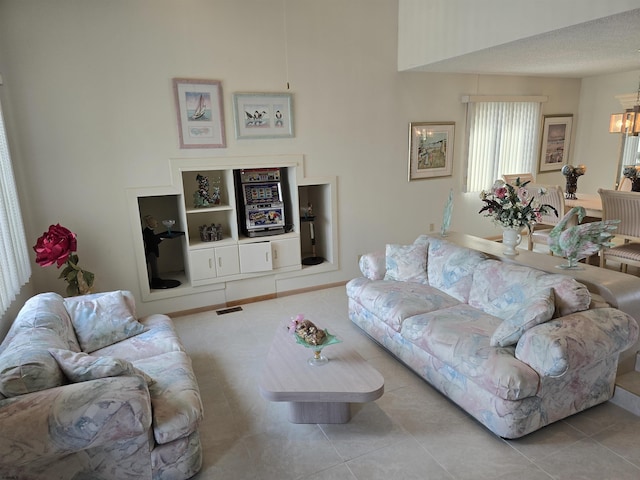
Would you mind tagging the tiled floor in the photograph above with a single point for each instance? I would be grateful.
(411, 432)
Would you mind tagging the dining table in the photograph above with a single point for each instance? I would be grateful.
(591, 202)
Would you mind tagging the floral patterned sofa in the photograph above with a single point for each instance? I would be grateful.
(88, 391)
(516, 347)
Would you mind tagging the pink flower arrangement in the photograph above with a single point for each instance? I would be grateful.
(57, 245)
(513, 206)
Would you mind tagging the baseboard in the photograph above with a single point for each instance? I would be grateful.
(260, 298)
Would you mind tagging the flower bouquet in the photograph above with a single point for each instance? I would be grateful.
(57, 245)
(513, 206)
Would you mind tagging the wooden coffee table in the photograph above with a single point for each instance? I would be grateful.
(318, 394)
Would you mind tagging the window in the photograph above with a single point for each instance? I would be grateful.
(503, 138)
(15, 268)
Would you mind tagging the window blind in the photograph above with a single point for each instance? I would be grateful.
(502, 139)
(15, 268)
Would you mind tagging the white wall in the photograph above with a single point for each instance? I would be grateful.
(596, 148)
(435, 30)
(92, 113)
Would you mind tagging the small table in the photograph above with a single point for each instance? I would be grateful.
(318, 394)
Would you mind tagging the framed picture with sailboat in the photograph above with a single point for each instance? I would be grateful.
(263, 115)
(200, 112)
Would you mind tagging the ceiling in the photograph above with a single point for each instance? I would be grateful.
(606, 45)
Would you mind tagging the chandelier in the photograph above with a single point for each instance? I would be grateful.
(628, 121)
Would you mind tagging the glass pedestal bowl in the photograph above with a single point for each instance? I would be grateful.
(318, 359)
(168, 224)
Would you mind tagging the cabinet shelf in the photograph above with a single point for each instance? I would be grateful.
(217, 208)
(196, 243)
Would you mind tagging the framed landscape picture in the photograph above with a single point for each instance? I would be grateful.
(263, 115)
(430, 149)
(556, 139)
(200, 113)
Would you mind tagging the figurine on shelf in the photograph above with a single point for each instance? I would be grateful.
(572, 173)
(151, 250)
(211, 233)
(202, 197)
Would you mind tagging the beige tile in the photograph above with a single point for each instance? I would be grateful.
(623, 440)
(600, 417)
(547, 441)
(588, 460)
(369, 429)
(405, 460)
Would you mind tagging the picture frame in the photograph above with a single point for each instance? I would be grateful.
(431, 149)
(263, 115)
(555, 143)
(199, 106)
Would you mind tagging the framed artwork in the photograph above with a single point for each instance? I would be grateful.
(200, 113)
(430, 149)
(263, 115)
(556, 139)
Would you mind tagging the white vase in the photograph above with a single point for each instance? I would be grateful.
(511, 238)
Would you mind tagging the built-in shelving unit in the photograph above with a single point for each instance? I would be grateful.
(203, 265)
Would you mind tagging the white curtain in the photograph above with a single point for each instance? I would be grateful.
(15, 268)
(503, 138)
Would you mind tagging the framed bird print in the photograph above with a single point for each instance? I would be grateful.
(200, 113)
(263, 115)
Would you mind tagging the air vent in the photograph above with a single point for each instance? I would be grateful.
(229, 310)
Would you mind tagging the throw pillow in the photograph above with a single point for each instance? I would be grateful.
(102, 321)
(536, 310)
(406, 263)
(81, 367)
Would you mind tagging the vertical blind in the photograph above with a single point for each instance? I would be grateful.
(15, 268)
(502, 139)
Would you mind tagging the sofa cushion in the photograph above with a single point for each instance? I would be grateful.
(450, 267)
(159, 337)
(25, 363)
(570, 295)
(80, 367)
(459, 337)
(501, 289)
(535, 310)
(102, 320)
(406, 263)
(373, 265)
(394, 301)
(574, 341)
(175, 397)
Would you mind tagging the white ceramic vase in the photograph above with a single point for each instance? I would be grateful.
(511, 238)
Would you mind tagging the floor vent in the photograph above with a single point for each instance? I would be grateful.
(229, 310)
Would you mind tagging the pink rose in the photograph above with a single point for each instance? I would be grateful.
(55, 246)
(501, 192)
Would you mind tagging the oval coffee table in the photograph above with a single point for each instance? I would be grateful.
(318, 394)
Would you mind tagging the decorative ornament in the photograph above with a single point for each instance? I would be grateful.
(446, 217)
(572, 173)
(580, 241)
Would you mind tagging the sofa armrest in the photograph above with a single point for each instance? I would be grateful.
(58, 421)
(373, 265)
(574, 341)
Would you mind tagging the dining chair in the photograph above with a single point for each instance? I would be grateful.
(623, 206)
(512, 177)
(624, 185)
(554, 197)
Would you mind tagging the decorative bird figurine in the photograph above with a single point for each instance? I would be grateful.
(446, 216)
(575, 242)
